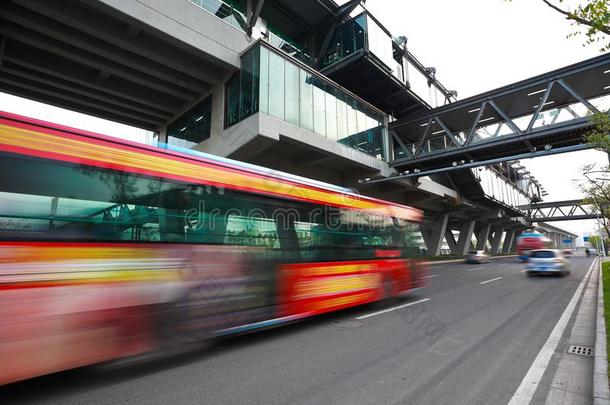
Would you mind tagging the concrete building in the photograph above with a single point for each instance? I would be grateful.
(305, 87)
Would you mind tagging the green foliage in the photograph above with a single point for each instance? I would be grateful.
(594, 241)
(598, 136)
(594, 17)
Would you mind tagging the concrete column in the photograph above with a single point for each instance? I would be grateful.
(495, 240)
(451, 241)
(388, 152)
(482, 236)
(508, 240)
(433, 234)
(465, 238)
(513, 242)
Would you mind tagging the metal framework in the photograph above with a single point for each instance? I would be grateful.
(456, 129)
(559, 211)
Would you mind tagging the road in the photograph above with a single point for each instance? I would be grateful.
(468, 338)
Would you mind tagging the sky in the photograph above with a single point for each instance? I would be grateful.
(475, 46)
(479, 45)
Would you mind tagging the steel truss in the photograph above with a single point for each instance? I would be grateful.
(463, 141)
(559, 211)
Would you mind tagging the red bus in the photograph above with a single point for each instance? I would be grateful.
(528, 241)
(111, 249)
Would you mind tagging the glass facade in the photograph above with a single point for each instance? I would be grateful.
(499, 188)
(193, 126)
(224, 11)
(271, 83)
(364, 33)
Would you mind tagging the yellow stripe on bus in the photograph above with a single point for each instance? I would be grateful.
(44, 142)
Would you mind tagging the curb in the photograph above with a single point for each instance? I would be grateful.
(461, 260)
(601, 393)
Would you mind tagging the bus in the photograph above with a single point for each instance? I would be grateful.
(111, 249)
(528, 241)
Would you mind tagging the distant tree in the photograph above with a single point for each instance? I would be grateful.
(594, 241)
(596, 189)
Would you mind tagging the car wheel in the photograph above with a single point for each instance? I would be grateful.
(529, 273)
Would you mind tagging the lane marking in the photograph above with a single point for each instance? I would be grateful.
(392, 309)
(476, 268)
(493, 279)
(434, 275)
(523, 271)
(527, 388)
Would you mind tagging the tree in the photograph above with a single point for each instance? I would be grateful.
(596, 189)
(594, 241)
(591, 19)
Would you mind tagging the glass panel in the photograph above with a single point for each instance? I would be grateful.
(348, 39)
(264, 80)
(192, 127)
(232, 101)
(380, 43)
(276, 85)
(319, 109)
(341, 116)
(306, 100)
(331, 113)
(292, 93)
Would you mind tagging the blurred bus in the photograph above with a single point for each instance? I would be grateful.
(111, 249)
(528, 241)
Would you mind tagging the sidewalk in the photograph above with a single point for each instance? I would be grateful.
(582, 373)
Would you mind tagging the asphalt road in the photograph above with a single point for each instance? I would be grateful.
(467, 338)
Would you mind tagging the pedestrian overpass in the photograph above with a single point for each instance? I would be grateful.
(541, 115)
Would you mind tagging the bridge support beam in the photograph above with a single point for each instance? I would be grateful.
(495, 239)
(508, 240)
(451, 241)
(465, 238)
(433, 234)
(482, 235)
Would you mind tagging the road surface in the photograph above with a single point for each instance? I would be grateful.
(468, 338)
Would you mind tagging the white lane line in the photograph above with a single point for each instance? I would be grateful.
(523, 271)
(434, 275)
(393, 308)
(493, 279)
(528, 386)
(476, 268)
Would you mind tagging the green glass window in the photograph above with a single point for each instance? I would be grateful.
(192, 127)
(232, 101)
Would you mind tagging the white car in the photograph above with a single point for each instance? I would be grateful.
(477, 256)
(547, 261)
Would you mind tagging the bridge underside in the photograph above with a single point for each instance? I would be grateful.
(91, 58)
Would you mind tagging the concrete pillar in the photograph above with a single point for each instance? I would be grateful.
(433, 234)
(482, 235)
(495, 239)
(465, 238)
(508, 240)
(513, 243)
(451, 241)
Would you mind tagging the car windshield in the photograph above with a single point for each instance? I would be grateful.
(543, 254)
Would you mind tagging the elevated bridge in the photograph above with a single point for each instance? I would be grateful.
(559, 211)
(542, 114)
